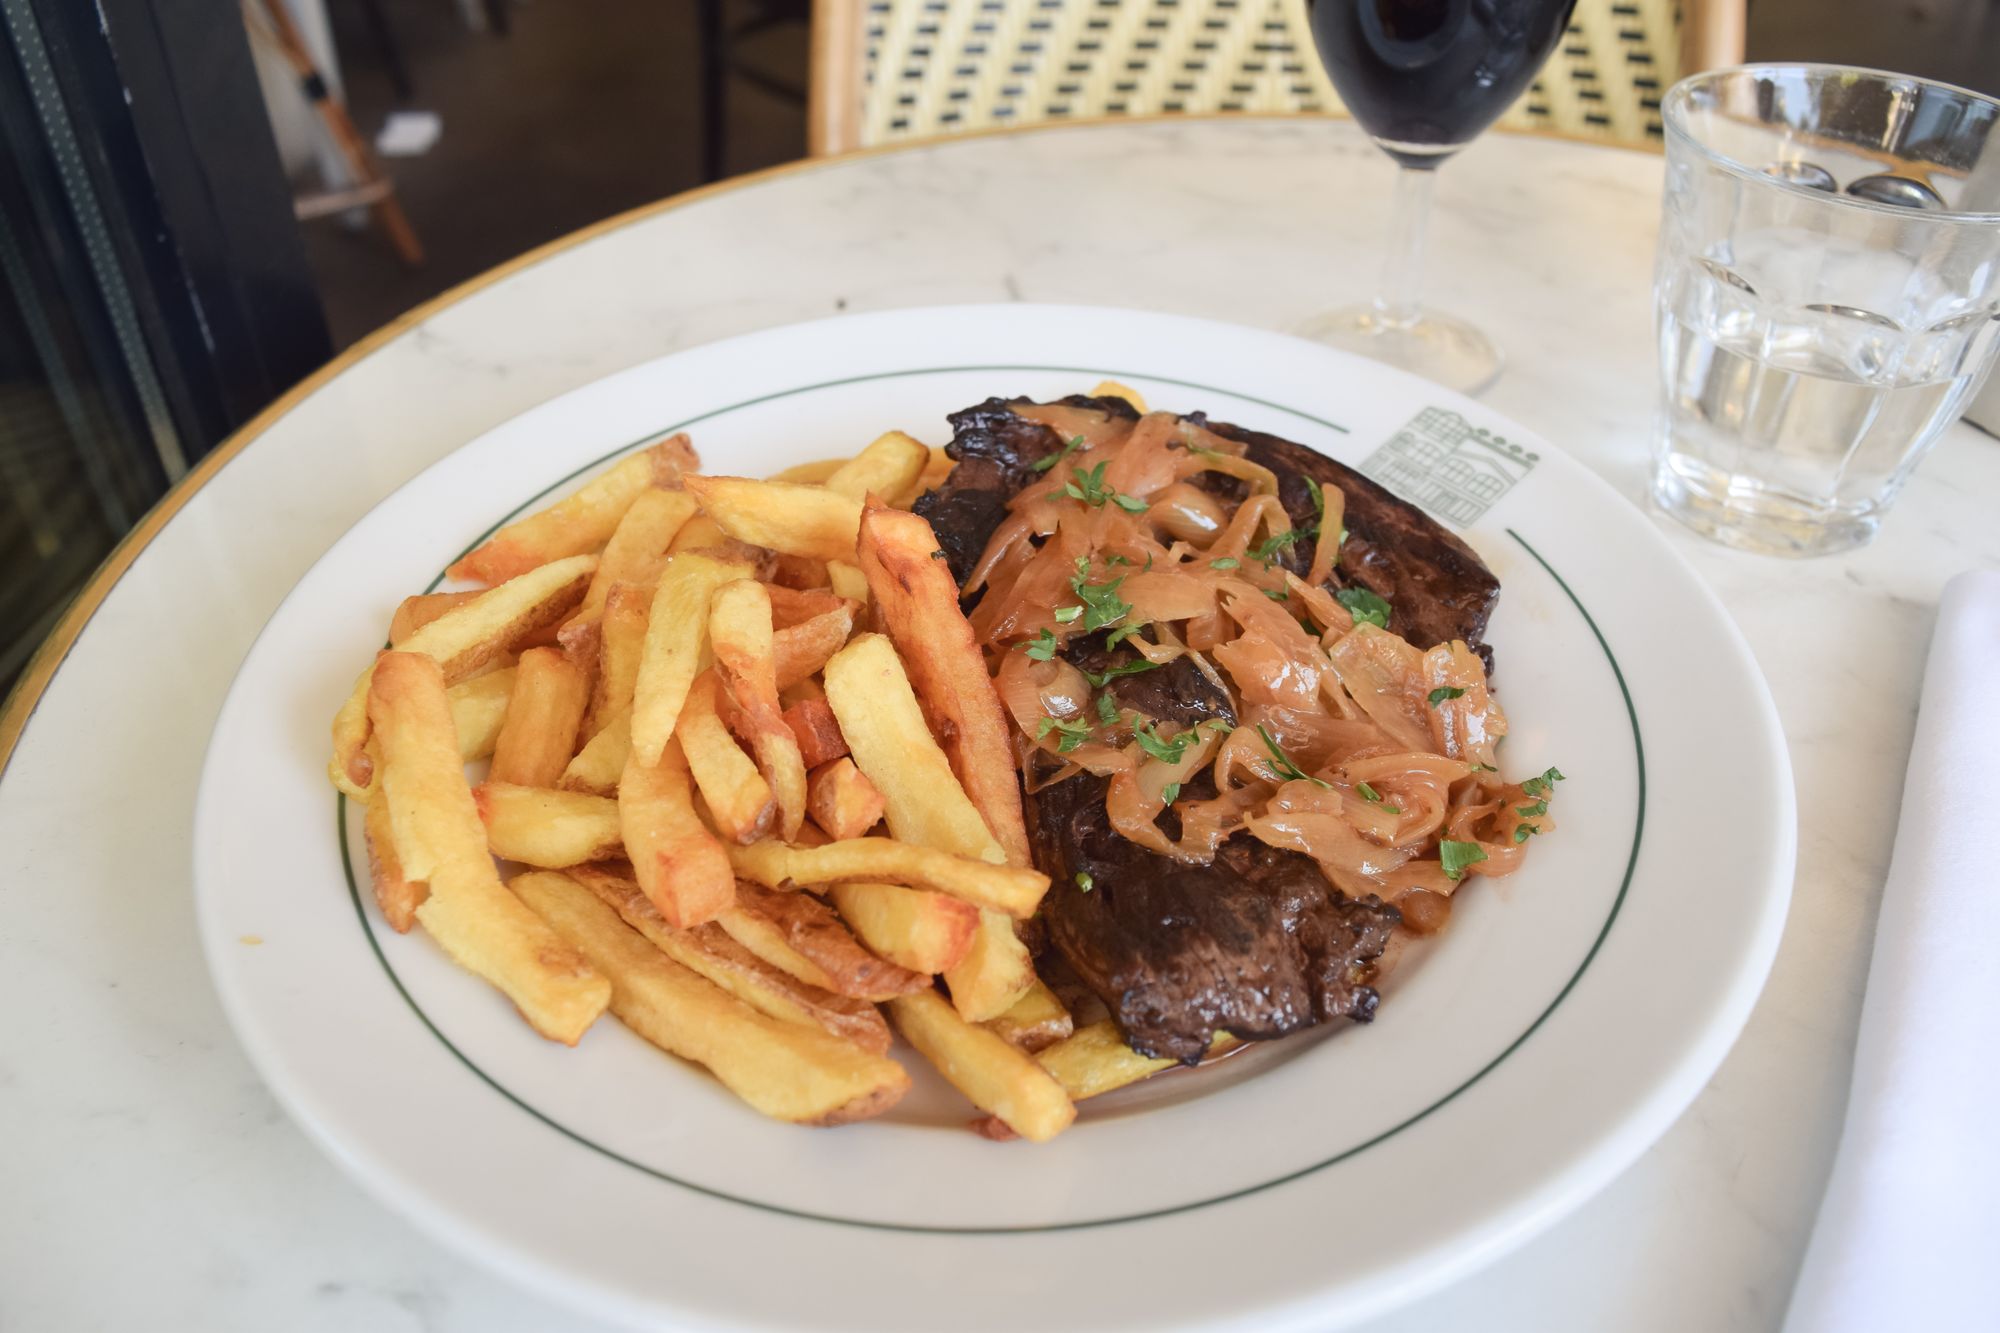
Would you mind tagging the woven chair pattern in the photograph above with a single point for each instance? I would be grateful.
(935, 67)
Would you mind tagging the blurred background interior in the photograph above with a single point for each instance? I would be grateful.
(201, 203)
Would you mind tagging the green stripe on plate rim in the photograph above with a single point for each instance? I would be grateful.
(1617, 904)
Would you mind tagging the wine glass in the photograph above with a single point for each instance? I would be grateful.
(1423, 77)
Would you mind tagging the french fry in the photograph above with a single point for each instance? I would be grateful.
(439, 841)
(842, 800)
(1037, 1020)
(479, 710)
(995, 972)
(810, 474)
(1095, 1060)
(580, 522)
(924, 931)
(935, 471)
(739, 628)
(702, 534)
(621, 642)
(637, 550)
(539, 736)
(796, 571)
(917, 603)
(799, 934)
(395, 893)
(461, 641)
(785, 1070)
(710, 951)
(601, 762)
(540, 826)
(789, 606)
(1009, 889)
(682, 868)
(737, 795)
(802, 649)
(817, 730)
(889, 465)
(780, 516)
(676, 641)
(848, 581)
(994, 1075)
(1113, 389)
(419, 610)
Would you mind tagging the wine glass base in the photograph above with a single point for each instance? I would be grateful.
(1440, 348)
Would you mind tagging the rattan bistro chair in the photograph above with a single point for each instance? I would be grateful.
(884, 70)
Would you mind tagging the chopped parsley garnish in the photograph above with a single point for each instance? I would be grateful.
(1283, 762)
(1171, 792)
(1169, 749)
(1043, 646)
(1266, 551)
(1482, 768)
(1227, 562)
(1107, 710)
(1534, 811)
(1089, 487)
(1133, 668)
(1456, 856)
(1069, 735)
(1443, 692)
(1366, 607)
(1522, 832)
(1075, 443)
(1121, 560)
(1319, 500)
(1084, 881)
(1277, 594)
(1122, 633)
(1373, 797)
(1545, 785)
(1101, 603)
(1065, 614)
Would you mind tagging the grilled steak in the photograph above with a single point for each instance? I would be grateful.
(1257, 943)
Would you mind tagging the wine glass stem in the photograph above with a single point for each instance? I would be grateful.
(1400, 300)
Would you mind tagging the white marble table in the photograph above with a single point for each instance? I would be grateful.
(147, 1180)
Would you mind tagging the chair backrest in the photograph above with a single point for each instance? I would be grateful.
(884, 70)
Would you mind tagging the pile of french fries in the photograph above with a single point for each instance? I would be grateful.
(751, 759)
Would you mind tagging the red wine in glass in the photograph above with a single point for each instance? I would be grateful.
(1424, 77)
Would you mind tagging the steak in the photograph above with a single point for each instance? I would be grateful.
(1256, 943)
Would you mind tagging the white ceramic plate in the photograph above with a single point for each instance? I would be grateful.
(1548, 1037)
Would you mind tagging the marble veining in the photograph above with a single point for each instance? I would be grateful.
(150, 1180)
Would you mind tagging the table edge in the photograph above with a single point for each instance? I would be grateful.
(21, 701)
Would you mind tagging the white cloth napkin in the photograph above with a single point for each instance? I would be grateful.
(1909, 1232)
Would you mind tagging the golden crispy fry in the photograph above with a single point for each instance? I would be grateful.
(935, 471)
(789, 606)
(886, 734)
(800, 650)
(683, 869)
(842, 800)
(890, 465)
(461, 641)
(1008, 889)
(810, 474)
(922, 930)
(621, 642)
(739, 628)
(540, 826)
(917, 603)
(415, 612)
(580, 522)
(439, 841)
(539, 736)
(737, 795)
(637, 550)
(799, 934)
(786, 1070)
(1094, 1060)
(847, 581)
(994, 1075)
(818, 732)
(710, 951)
(779, 516)
(600, 763)
(676, 642)
(1113, 389)
(797, 571)
(395, 893)
(1038, 1019)
(995, 972)
(479, 710)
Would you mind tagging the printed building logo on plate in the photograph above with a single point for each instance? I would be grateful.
(1449, 466)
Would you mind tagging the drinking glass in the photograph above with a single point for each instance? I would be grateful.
(1827, 295)
(1424, 77)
